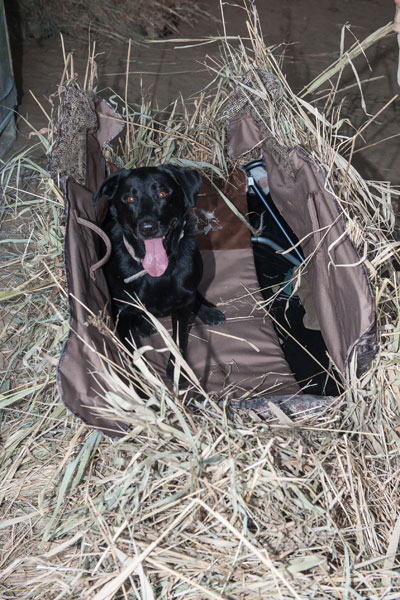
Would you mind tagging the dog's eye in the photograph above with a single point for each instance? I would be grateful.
(162, 194)
(130, 199)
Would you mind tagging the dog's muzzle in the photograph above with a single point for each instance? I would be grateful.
(155, 261)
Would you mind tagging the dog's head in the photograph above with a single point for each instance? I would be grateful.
(150, 204)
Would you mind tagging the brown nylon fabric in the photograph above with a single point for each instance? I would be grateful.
(341, 291)
(340, 287)
(244, 135)
(232, 233)
(79, 380)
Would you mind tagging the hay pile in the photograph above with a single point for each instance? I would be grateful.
(190, 505)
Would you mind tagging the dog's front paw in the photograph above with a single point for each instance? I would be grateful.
(210, 315)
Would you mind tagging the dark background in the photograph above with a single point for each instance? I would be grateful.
(311, 30)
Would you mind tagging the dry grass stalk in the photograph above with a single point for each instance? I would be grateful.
(189, 504)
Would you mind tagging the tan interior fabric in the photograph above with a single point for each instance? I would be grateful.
(243, 354)
(245, 350)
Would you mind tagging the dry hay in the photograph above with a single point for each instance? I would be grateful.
(189, 504)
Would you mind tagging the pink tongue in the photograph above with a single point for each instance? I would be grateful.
(156, 260)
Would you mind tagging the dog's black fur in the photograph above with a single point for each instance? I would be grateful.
(147, 204)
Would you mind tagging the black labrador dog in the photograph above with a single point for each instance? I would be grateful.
(154, 253)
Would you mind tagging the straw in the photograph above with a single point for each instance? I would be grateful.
(190, 504)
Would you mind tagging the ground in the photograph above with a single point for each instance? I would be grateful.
(309, 38)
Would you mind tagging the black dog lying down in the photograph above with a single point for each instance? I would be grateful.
(154, 253)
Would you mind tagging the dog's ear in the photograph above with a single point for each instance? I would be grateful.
(189, 180)
(109, 187)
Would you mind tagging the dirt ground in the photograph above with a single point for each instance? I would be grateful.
(167, 68)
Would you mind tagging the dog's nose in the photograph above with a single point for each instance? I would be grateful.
(148, 229)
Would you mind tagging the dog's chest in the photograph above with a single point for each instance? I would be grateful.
(163, 295)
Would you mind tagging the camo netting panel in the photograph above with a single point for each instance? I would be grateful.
(68, 156)
(245, 101)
